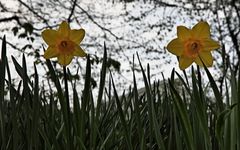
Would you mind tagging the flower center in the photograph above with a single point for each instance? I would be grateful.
(66, 47)
(192, 48)
(64, 44)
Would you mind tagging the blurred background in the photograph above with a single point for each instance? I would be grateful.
(126, 27)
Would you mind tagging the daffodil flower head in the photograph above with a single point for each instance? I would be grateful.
(63, 43)
(193, 45)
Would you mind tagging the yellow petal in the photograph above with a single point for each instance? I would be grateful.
(77, 35)
(50, 52)
(201, 30)
(183, 33)
(64, 29)
(184, 62)
(65, 59)
(175, 47)
(50, 36)
(206, 58)
(209, 44)
(78, 51)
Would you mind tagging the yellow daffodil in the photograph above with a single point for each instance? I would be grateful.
(193, 45)
(63, 43)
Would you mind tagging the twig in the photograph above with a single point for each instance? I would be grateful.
(72, 11)
(34, 12)
(103, 28)
(16, 18)
(13, 46)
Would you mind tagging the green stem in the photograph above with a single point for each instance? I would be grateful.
(68, 125)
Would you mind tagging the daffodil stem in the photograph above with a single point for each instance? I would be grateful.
(68, 125)
(66, 88)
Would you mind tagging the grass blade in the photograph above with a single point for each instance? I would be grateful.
(216, 92)
(137, 111)
(122, 117)
(200, 108)
(182, 112)
(85, 100)
(3, 62)
(153, 118)
(102, 81)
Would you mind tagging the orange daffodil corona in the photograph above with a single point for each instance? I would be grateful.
(193, 45)
(63, 43)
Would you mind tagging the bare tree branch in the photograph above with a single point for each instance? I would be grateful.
(34, 12)
(3, 7)
(16, 18)
(72, 10)
(100, 26)
(12, 45)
